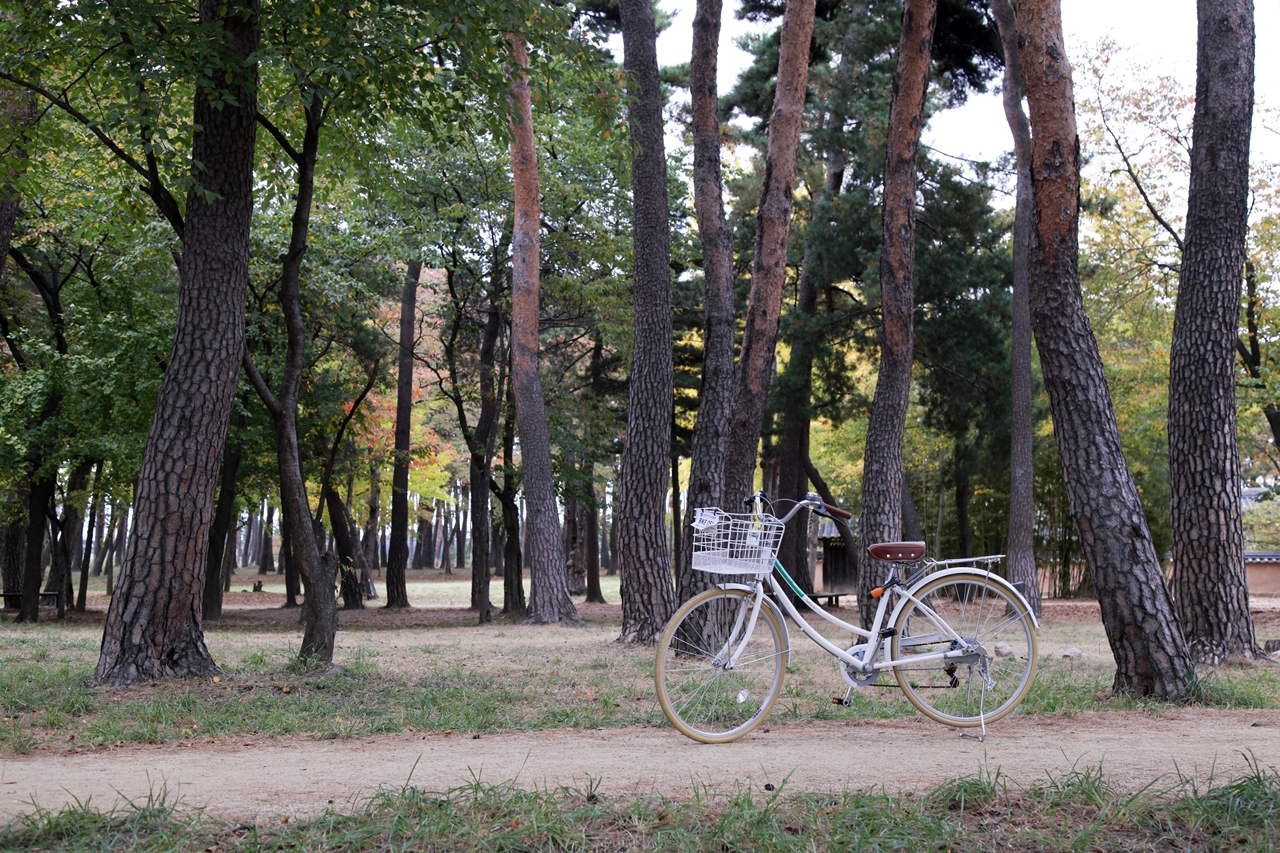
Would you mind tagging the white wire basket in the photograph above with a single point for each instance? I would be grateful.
(726, 543)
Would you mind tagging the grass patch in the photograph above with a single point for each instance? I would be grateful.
(1078, 811)
(502, 677)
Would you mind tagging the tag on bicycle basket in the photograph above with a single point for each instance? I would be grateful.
(705, 517)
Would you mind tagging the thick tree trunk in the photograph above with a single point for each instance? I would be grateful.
(1020, 547)
(644, 561)
(1142, 627)
(549, 600)
(39, 502)
(13, 544)
(153, 626)
(881, 516)
(769, 266)
(221, 534)
(397, 559)
(1204, 462)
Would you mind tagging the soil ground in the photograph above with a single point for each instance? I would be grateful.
(268, 779)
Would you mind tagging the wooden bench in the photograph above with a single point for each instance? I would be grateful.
(13, 600)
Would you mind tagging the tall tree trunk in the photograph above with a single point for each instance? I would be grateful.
(397, 559)
(1020, 547)
(1204, 462)
(881, 516)
(291, 579)
(549, 600)
(86, 555)
(644, 561)
(319, 615)
(221, 532)
(797, 392)
(369, 538)
(266, 553)
(769, 266)
(1142, 627)
(422, 544)
(13, 543)
(153, 626)
(715, 393)
(594, 595)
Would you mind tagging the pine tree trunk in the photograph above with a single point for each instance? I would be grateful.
(1204, 462)
(369, 539)
(351, 560)
(881, 516)
(715, 393)
(1142, 627)
(153, 627)
(592, 535)
(644, 560)
(1020, 547)
(797, 391)
(397, 559)
(513, 601)
(549, 600)
(13, 544)
(769, 266)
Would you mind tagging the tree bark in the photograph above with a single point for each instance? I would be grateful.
(397, 559)
(644, 560)
(1020, 547)
(350, 558)
(1142, 627)
(594, 595)
(1204, 462)
(153, 626)
(715, 393)
(266, 553)
(881, 516)
(549, 600)
(769, 266)
(13, 543)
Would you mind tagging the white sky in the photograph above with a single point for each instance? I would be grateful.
(1158, 33)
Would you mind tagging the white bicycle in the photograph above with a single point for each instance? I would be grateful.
(961, 640)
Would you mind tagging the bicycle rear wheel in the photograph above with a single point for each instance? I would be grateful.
(979, 687)
(715, 682)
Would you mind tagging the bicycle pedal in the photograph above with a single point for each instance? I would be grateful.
(836, 700)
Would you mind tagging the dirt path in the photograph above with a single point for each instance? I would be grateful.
(268, 780)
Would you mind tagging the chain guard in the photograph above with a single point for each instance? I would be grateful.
(858, 679)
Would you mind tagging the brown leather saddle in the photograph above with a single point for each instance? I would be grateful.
(897, 552)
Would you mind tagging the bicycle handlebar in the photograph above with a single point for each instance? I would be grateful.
(812, 501)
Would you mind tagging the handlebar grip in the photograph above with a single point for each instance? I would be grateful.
(837, 512)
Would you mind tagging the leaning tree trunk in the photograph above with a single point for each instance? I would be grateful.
(1204, 462)
(397, 559)
(769, 266)
(549, 599)
(644, 561)
(1142, 627)
(881, 515)
(715, 394)
(153, 626)
(1020, 547)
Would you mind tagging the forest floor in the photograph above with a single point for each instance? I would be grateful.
(550, 707)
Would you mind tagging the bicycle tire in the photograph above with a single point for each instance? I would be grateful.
(702, 699)
(954, 692)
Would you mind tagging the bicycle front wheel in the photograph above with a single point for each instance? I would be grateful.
(982, 685)
(717, 676)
